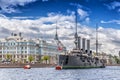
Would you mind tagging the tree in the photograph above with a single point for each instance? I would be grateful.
(8, 56)
(46, 58)
(13, 60)
(30, 58)
(110, 56)
(117, 60)
(94, 54)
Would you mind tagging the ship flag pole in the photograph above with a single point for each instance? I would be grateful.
(97, 39)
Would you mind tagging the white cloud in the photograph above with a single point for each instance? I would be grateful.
(44, 0)
(112, 21)
(118, 10)
(8, 6)
(82, 11)
(83, 14)
(45, 27)
(87, 20)
(76, 5)
(114, 5)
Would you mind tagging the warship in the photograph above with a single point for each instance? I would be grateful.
(80, 57)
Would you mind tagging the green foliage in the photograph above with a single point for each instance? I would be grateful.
(46, 58)
(117, 59)
(110, 56)
(94, 54)
(30, 58)
(25, 60)
(8, 56)
(13, 60)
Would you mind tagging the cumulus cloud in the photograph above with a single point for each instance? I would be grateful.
(87, 20)
(83, 14)
(82, 11)
(44, 27)
(9, 6)
(76, 5)
(113, 5)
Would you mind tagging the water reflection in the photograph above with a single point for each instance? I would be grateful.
(108, 73)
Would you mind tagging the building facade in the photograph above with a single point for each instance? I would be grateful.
(19, 49)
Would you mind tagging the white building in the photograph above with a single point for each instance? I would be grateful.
(21, 48)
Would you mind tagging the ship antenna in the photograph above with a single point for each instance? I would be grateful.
(76, 35)
(56, 35)
(97, 39)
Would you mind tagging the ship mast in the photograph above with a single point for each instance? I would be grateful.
(56, 35)
(76, 35)
(97, 39)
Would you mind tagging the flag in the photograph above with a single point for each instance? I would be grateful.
(60, 47)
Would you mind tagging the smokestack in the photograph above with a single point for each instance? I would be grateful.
(90, 53)
(88, 46)
(15, 34)
(20, 34)
(83, 44)
(119, 53)
(79, 43)
(11, 34)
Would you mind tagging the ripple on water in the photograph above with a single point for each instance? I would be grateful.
(108, 73)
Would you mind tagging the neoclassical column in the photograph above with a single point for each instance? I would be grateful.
(2, 54)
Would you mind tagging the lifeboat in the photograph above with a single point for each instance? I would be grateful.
(27, 67)
(58, 67)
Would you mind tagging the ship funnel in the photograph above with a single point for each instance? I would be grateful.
(88, 46)
(83, 44)
(79, 43)
(20, 34)
(90, 53)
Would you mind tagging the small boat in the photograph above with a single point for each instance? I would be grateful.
(27, 67)
(58, 67)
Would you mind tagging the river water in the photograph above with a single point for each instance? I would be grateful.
(108, 73)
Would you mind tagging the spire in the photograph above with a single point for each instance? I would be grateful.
(76, 35)
(56, 35)
(97, 39)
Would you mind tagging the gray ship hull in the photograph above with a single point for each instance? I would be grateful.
(79, 62)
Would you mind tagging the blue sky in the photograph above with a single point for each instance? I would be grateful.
(104, 12)
(39, 18)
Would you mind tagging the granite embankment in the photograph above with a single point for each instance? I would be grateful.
(112, 64)
(37, 65)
